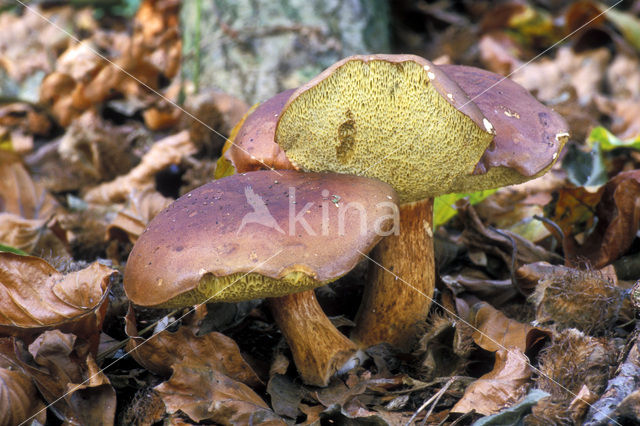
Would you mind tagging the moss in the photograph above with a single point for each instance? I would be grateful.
(383, 120)
(242, 286)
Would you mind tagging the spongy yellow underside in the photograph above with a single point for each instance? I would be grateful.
(386, 121)
(242, 286)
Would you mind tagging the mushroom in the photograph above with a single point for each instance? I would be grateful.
(406, 121)
(264, 234)
(251, 146)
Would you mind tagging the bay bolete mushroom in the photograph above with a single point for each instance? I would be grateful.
(251, 146)
(406, 121)
(264, 234)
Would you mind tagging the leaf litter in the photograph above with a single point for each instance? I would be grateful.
(536, 278)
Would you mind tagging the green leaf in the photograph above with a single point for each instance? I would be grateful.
(444, 205)
(13, 250)
(628, 24)
(585, 168)
(608, 141)
(513, 415)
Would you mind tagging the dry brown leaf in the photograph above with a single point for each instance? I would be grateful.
(499, 53)
(501, 388)
(618, 212)
(19, 194)
(19, 399)
(150, 55)
(32, 236)
(165, 350)
(549, 78)
(573, 209)
(624, 113)
(478, 236)
(27, 212)
(206, 394)
(495, 331)
(623, 77)
(141, 207)
(34, 296)
(22, 121)
(65, 372)
(168, 151)
(28, 40)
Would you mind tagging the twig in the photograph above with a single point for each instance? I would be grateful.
(435, 398)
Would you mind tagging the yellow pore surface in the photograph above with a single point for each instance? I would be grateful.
(242, 286)
(382, 120)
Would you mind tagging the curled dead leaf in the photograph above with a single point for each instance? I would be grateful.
(66, 375)
(495, 331)
(19, 194)
(168, 151)
(27, 212)
(502, 387)
(141, 207)
(34, 297)
(213, 351)
(206, 394)
(19, 400)
(618, 213)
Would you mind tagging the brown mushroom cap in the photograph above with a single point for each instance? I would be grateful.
(199, 248)
(397, 118)
(529, 135)
(254, 147)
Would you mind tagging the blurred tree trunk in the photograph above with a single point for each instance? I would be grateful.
(254, 49)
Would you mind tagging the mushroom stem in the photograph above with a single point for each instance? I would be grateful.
(319, 349)
(392, 308)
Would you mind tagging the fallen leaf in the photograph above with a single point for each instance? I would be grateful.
(140, 208)
(499, 53)
(513, 415)
(505, 385)
(68, 377)
(495, 331)
(206, 394)
(550, 78)
(618, 213)
(502, 243)
(19, 399)
(19, 194)
(285, 396)
(213, 351)
(168, 151)
(27, 212)
(34, 236)
(34, 297)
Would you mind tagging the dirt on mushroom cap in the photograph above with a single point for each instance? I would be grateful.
(240, 228)
(397, 118)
